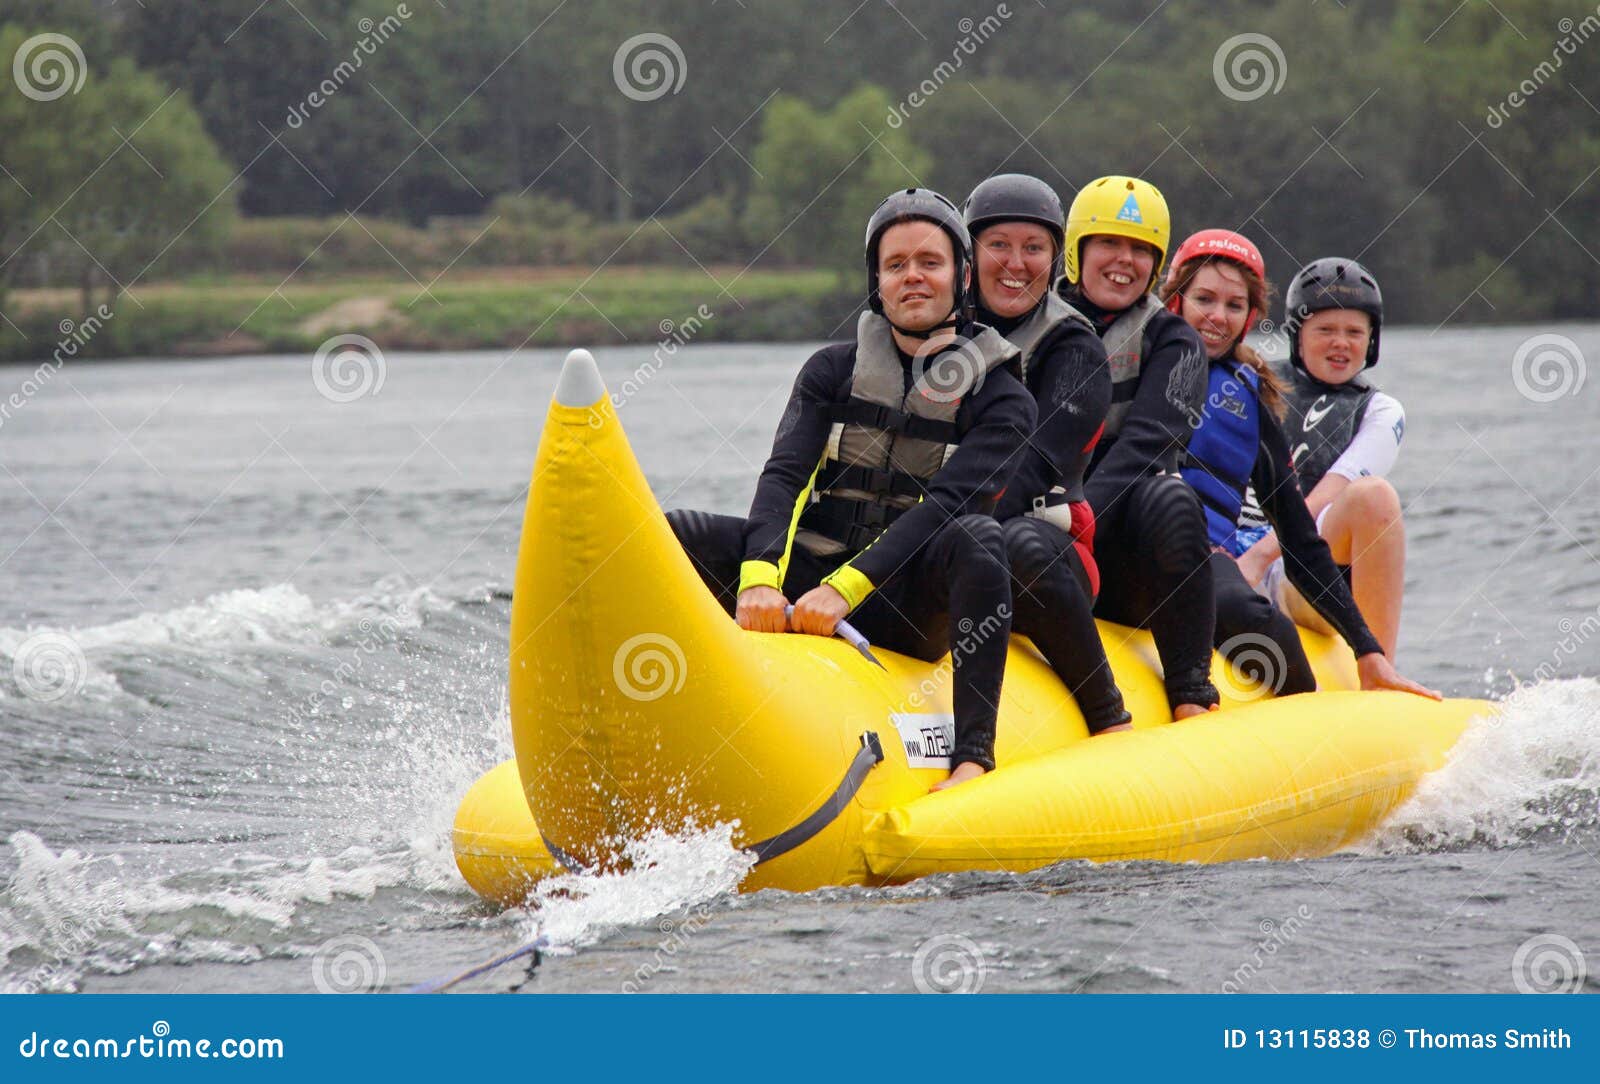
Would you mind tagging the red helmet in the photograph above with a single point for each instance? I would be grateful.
(1220, 245)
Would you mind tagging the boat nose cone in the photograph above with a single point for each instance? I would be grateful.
(579, 384)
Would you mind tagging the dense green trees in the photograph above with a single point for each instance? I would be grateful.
(1451, 146)
(106, 170)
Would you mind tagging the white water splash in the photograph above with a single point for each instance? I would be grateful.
(65, 915)
(1534, 768)
(666, 874)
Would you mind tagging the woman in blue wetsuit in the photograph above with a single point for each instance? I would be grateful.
(1218, 285)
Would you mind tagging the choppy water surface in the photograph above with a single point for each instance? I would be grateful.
(252, 651)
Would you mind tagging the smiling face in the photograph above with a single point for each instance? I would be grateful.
(1217, 305)
(916, 274)
(1014, 261)
(1333, 344)
(1116, 270)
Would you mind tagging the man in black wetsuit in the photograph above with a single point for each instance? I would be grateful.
(1150, 535)
(1016, 226)
(876, 500)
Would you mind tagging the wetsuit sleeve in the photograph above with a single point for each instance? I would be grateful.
(1376, 445)
(1072, 390)
(1172, 390)
(1307, 561)
(999, 416)
(786, 480)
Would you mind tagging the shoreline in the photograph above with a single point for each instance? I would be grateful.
(474, 310)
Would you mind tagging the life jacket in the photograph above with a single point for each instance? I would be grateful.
(1124, 340)
(1063, 506)
(1054, 311)
(892, 435)
(1222, 451)
(1321, 421)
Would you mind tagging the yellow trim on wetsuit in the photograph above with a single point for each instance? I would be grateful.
(852, 583)
(759, 574)
(754, 573)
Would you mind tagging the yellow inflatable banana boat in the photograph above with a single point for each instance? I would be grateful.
(637, 704)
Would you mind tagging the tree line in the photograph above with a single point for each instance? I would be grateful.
(1451, 147)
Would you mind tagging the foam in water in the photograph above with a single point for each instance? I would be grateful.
(1533, 768)
(665, 874)
(276, 616)
(63, 915)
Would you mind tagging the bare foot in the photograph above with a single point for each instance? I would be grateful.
(964, 771)
(1189, 711)
(1112, 729)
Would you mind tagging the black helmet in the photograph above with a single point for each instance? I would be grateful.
(1332, 282)
(1017, 197)
(920, 203)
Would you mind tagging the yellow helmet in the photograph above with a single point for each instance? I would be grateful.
(1122, 207)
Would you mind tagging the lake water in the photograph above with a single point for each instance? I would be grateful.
(253, 650)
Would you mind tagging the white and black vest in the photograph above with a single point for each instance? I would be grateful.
(1321, 421)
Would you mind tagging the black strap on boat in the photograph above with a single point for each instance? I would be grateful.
(869, 756)
(568, 863)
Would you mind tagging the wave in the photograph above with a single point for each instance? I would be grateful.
(1530, 771)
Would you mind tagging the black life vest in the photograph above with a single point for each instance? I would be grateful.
(1321, 421)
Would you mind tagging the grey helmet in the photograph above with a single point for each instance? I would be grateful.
(1332, 282)
(921, 203)
(1017, 197)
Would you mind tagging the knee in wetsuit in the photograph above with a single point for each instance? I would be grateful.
(1033, 553)
(980, 548)
(1169, 526)
(1257, 636)
(714, 544)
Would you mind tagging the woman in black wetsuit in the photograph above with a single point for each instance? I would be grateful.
(1218, 285)
(1016, 227)
(1150, 536)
